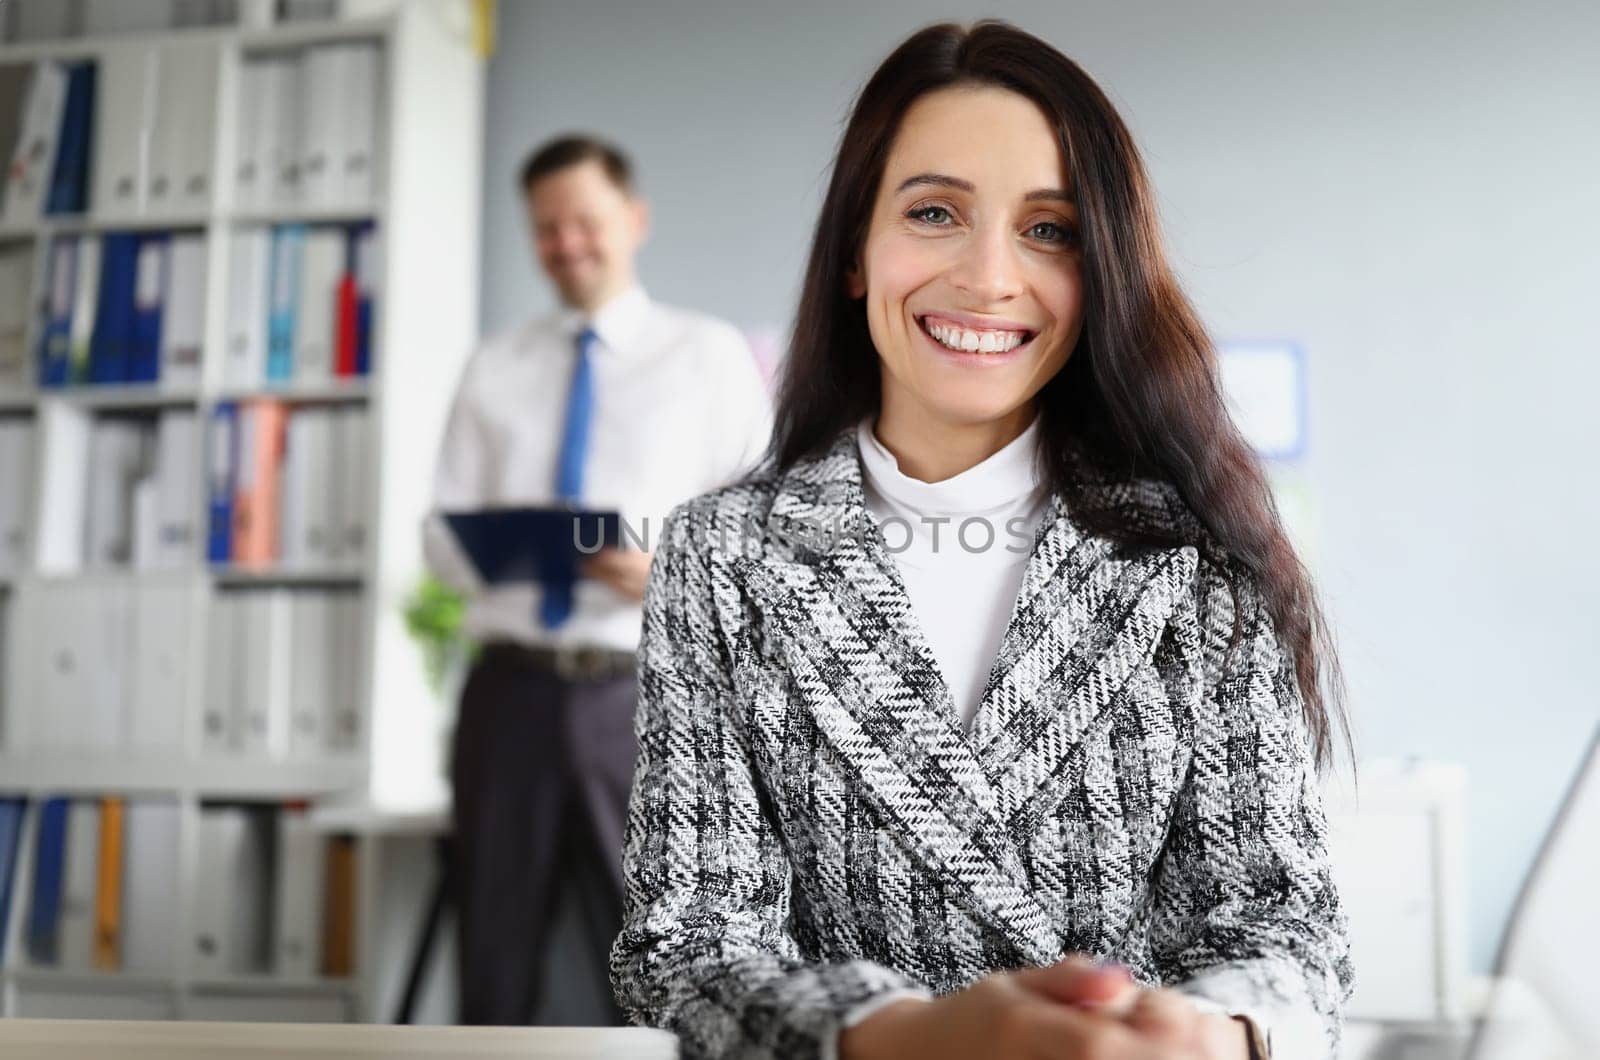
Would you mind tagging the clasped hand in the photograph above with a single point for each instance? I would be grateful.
(1071, 1010)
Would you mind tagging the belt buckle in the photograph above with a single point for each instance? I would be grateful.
(576, 663)
(587, 662)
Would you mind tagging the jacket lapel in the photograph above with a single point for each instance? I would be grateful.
(1086, 616)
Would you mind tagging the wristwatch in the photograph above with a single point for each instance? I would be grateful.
(1260, 1047)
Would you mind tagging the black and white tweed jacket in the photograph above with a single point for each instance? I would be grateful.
(812, 826)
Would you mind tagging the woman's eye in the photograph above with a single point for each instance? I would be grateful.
(934, 215)
(1051, 232)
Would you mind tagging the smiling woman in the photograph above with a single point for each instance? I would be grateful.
(1050, 801)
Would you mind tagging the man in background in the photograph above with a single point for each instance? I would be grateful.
(613, 401)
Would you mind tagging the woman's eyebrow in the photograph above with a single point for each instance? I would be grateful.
(940, 180)
(935, 180)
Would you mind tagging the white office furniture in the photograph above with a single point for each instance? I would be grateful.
(92, 1040)
(137, 730)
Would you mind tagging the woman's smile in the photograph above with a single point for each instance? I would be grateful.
(963, 340)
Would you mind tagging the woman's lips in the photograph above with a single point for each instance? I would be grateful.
(975, 357)
(976, 323)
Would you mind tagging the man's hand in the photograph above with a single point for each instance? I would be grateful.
(624, 569)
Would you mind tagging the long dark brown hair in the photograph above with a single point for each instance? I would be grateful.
(1140, 395)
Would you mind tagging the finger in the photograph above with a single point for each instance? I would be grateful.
(1074, 979)
(1224, 1035)
(1063, 1032)
(1055, 981)
(1078, 980)
(1120, 1004)
(1165, 1015)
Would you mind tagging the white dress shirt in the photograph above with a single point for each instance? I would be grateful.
(679, 408)
(962, 595)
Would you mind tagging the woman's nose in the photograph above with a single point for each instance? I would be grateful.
(988, 268)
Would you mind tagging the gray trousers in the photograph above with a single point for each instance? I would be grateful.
(541, 769)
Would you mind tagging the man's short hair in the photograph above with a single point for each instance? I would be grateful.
(569, 150)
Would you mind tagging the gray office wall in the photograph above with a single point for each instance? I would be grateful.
(1407, 189)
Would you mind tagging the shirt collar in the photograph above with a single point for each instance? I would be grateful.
(1003, 478)
(620, 322)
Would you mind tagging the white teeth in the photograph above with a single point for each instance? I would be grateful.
(976, 341)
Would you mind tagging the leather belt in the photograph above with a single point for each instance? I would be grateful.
(577, 662)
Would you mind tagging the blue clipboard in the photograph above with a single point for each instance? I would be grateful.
(545, 544)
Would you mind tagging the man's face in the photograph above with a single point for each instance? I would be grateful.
(586, 231)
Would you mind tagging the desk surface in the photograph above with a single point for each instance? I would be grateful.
(22, 1039)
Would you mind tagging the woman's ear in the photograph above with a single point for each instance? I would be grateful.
(855, 281)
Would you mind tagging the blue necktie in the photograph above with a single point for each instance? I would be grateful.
(556, 603)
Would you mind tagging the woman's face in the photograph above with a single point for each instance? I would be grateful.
(971, 268)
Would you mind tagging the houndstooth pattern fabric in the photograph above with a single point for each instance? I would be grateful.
(811, 826)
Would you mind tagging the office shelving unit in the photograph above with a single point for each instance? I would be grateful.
(426, 214)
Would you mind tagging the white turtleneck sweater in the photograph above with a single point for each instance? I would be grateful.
(961, 545)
